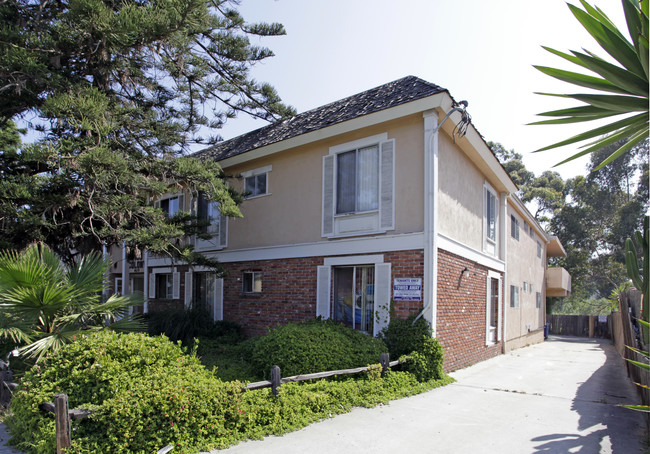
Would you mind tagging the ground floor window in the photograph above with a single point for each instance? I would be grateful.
(354, 296)
(252, 282)
(164, 286)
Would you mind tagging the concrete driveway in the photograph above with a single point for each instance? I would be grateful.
(555, 397)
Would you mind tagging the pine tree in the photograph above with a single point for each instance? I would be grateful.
(117, 93)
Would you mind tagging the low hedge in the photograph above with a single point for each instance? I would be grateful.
(147, 393)
(312, 346)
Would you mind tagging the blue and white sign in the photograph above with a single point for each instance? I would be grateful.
(407, 289)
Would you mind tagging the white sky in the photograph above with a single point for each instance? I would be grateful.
(480, 50)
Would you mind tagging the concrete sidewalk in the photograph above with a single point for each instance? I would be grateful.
(555, 397)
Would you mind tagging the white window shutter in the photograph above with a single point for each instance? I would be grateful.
(181, 203)
(387, 185)
(328, 195)
(223, 231)
(188, 288)
(382, 296)
(218, 299)
(323, 283)
(152, 285)
(176, 285)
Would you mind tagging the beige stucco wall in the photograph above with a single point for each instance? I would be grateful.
(523, 265)
(291, 213)
(460, 195)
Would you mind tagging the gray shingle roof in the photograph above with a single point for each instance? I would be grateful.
(389, 95)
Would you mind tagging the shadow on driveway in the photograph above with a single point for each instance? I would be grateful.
(607, 426)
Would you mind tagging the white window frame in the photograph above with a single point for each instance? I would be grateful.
(367, 222)
(490, 245)
(514, 296)
(181, 202)
(118, 286)
(253, 274)
(255, 173)
(514, 227)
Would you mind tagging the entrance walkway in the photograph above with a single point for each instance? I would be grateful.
(556, 397)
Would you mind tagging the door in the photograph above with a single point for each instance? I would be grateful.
(354, 296)
(493, 309)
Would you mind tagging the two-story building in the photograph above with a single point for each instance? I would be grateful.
(368, 208)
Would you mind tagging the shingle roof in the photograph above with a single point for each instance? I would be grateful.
(385, 96)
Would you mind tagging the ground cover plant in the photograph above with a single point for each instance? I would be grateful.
(148, 392)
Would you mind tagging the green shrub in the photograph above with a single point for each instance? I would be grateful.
(426, 355)
(145, 393)
(402, 337)
(186, 324)
(313, 346)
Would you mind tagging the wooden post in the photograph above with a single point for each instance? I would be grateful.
(384, 359)
(592, 325)
(63, 434)
(276, 380)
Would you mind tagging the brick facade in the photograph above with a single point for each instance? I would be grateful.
(462, 305)
(289, 289)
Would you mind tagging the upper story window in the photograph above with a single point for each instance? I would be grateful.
(359, 187)
(490, 219)
(256, 182)
(171, 206)
(208, 210)
(514, 296)
(539, 249)
(357, 180)
(514, 227)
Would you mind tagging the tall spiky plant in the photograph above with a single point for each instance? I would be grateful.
(637, 271)
(45, 304)
(625, 83)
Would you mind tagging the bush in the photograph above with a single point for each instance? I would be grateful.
(186, 324)
(426, 355)
(402, 337)
(313, 346)
(145, 393)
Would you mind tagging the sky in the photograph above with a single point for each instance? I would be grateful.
(482, 51)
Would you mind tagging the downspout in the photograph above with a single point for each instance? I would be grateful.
(503, 252)
(431, 208)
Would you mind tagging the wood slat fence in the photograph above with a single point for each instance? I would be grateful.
(63, 415)
(624, 335)
(577, 325)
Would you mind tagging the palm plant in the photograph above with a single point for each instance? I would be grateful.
(626, 83)
(45, 304)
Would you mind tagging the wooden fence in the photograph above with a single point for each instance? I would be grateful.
(63, 415)
(578, 325)
(624, 335)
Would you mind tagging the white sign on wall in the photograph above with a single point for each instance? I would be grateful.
(407, 289)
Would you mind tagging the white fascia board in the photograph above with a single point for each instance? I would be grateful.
(527, 215)
(469, 253)
(409, 108)
(370, 245)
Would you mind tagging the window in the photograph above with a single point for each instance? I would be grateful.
(538, 300)
(171, 206)
(530, 288)
(493, 308)
(514, 296)
(118, 285)
(164, 286)
(514, 227)
(252, 282)
(526, 227)
(209, 211)
(354, 296)
(525, 286)
(256, 182)
(539, 249)
(358, 187)
(490, 220)
(357, 180)
(255, 185)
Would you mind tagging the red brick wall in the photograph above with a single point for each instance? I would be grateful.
(462, 312)
(405, 264)
(288, 293)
